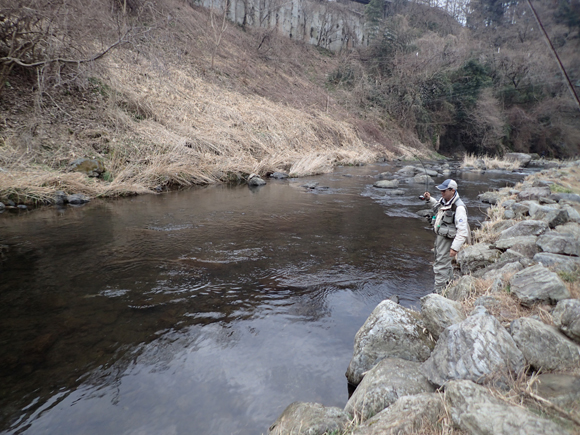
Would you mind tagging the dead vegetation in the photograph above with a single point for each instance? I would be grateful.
(170, 107)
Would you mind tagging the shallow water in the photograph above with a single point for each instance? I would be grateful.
(204, 311)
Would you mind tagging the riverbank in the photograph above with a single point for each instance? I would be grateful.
(498, 352)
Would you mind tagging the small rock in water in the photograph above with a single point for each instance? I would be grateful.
(77, 199)
(22, 207)
(311, 185)
(255, 180)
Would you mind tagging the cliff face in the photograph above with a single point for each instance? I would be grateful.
(329, 25)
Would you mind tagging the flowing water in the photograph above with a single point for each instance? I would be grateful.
(204, 311)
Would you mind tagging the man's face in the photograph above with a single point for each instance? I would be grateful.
(447, 194)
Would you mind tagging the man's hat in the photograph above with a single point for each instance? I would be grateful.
(448, 184)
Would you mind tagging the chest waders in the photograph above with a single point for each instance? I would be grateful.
(444, 223)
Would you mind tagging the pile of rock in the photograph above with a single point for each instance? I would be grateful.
(411, 368)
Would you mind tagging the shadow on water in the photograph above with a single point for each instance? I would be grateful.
(202, 311)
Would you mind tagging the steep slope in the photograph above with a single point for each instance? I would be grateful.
(158, 115)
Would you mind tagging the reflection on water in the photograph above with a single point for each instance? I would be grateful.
(204, 311)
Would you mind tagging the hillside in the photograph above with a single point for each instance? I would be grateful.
(158, 115)
(181, 96)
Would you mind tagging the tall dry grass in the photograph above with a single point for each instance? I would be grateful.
(158, 115)
(470, 161)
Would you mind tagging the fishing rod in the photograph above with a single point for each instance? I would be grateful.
(422, 197)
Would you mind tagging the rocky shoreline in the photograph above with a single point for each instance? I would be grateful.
(498, 352)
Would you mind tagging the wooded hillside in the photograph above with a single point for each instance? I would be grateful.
(169, 93)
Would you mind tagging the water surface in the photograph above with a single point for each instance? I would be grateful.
(204, 311)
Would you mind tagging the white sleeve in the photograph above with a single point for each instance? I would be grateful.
(432, 201)
(462, 228)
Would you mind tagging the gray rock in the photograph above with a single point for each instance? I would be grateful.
(562, 262)
(89, 167)
(386, 184)
(60, 198)
(478, 349)
(566, 317)
(520, 210)
(439, 312)
(553, 218)
(77, 198)
(397, 192)
(537, 284)
(559, 243)
(255, 180)
(303, 418)
(573, 215)
(476, 411)
(407, 171)
(500, 276)
(524, 228)
(533, 193)
(391, 331)
(572, 228)
(311, 185)
(423, 178)
(476, 256)
(490, 197)
(509, 214)
(499, 226)
(562, 390)
(2, 206)
(390, 379)
(521, 158)
(279, 175)
(572, 197)
(488, 302)
(406, 416)
(460, 290)
(543, 346)
(508, 242)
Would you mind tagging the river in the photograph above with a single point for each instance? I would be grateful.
(207, 310)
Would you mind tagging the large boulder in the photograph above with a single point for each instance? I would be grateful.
(566, 317)
(562, 262)
(538, 284)
(439, 312)
(559, 243)
(521, 158)
(302, 418)
(544, 347)
(476, 256)
(390, 379)
(406, 416)
(474, 410)
(391, 331)
(524, 228)
(478, 349)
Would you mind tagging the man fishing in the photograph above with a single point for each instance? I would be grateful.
(450, 226)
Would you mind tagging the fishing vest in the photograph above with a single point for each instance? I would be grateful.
(444, 220)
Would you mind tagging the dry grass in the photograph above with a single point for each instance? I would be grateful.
(508, 307)
(469, 161)
(159, 116)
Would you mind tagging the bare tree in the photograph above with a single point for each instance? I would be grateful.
(218, 28)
